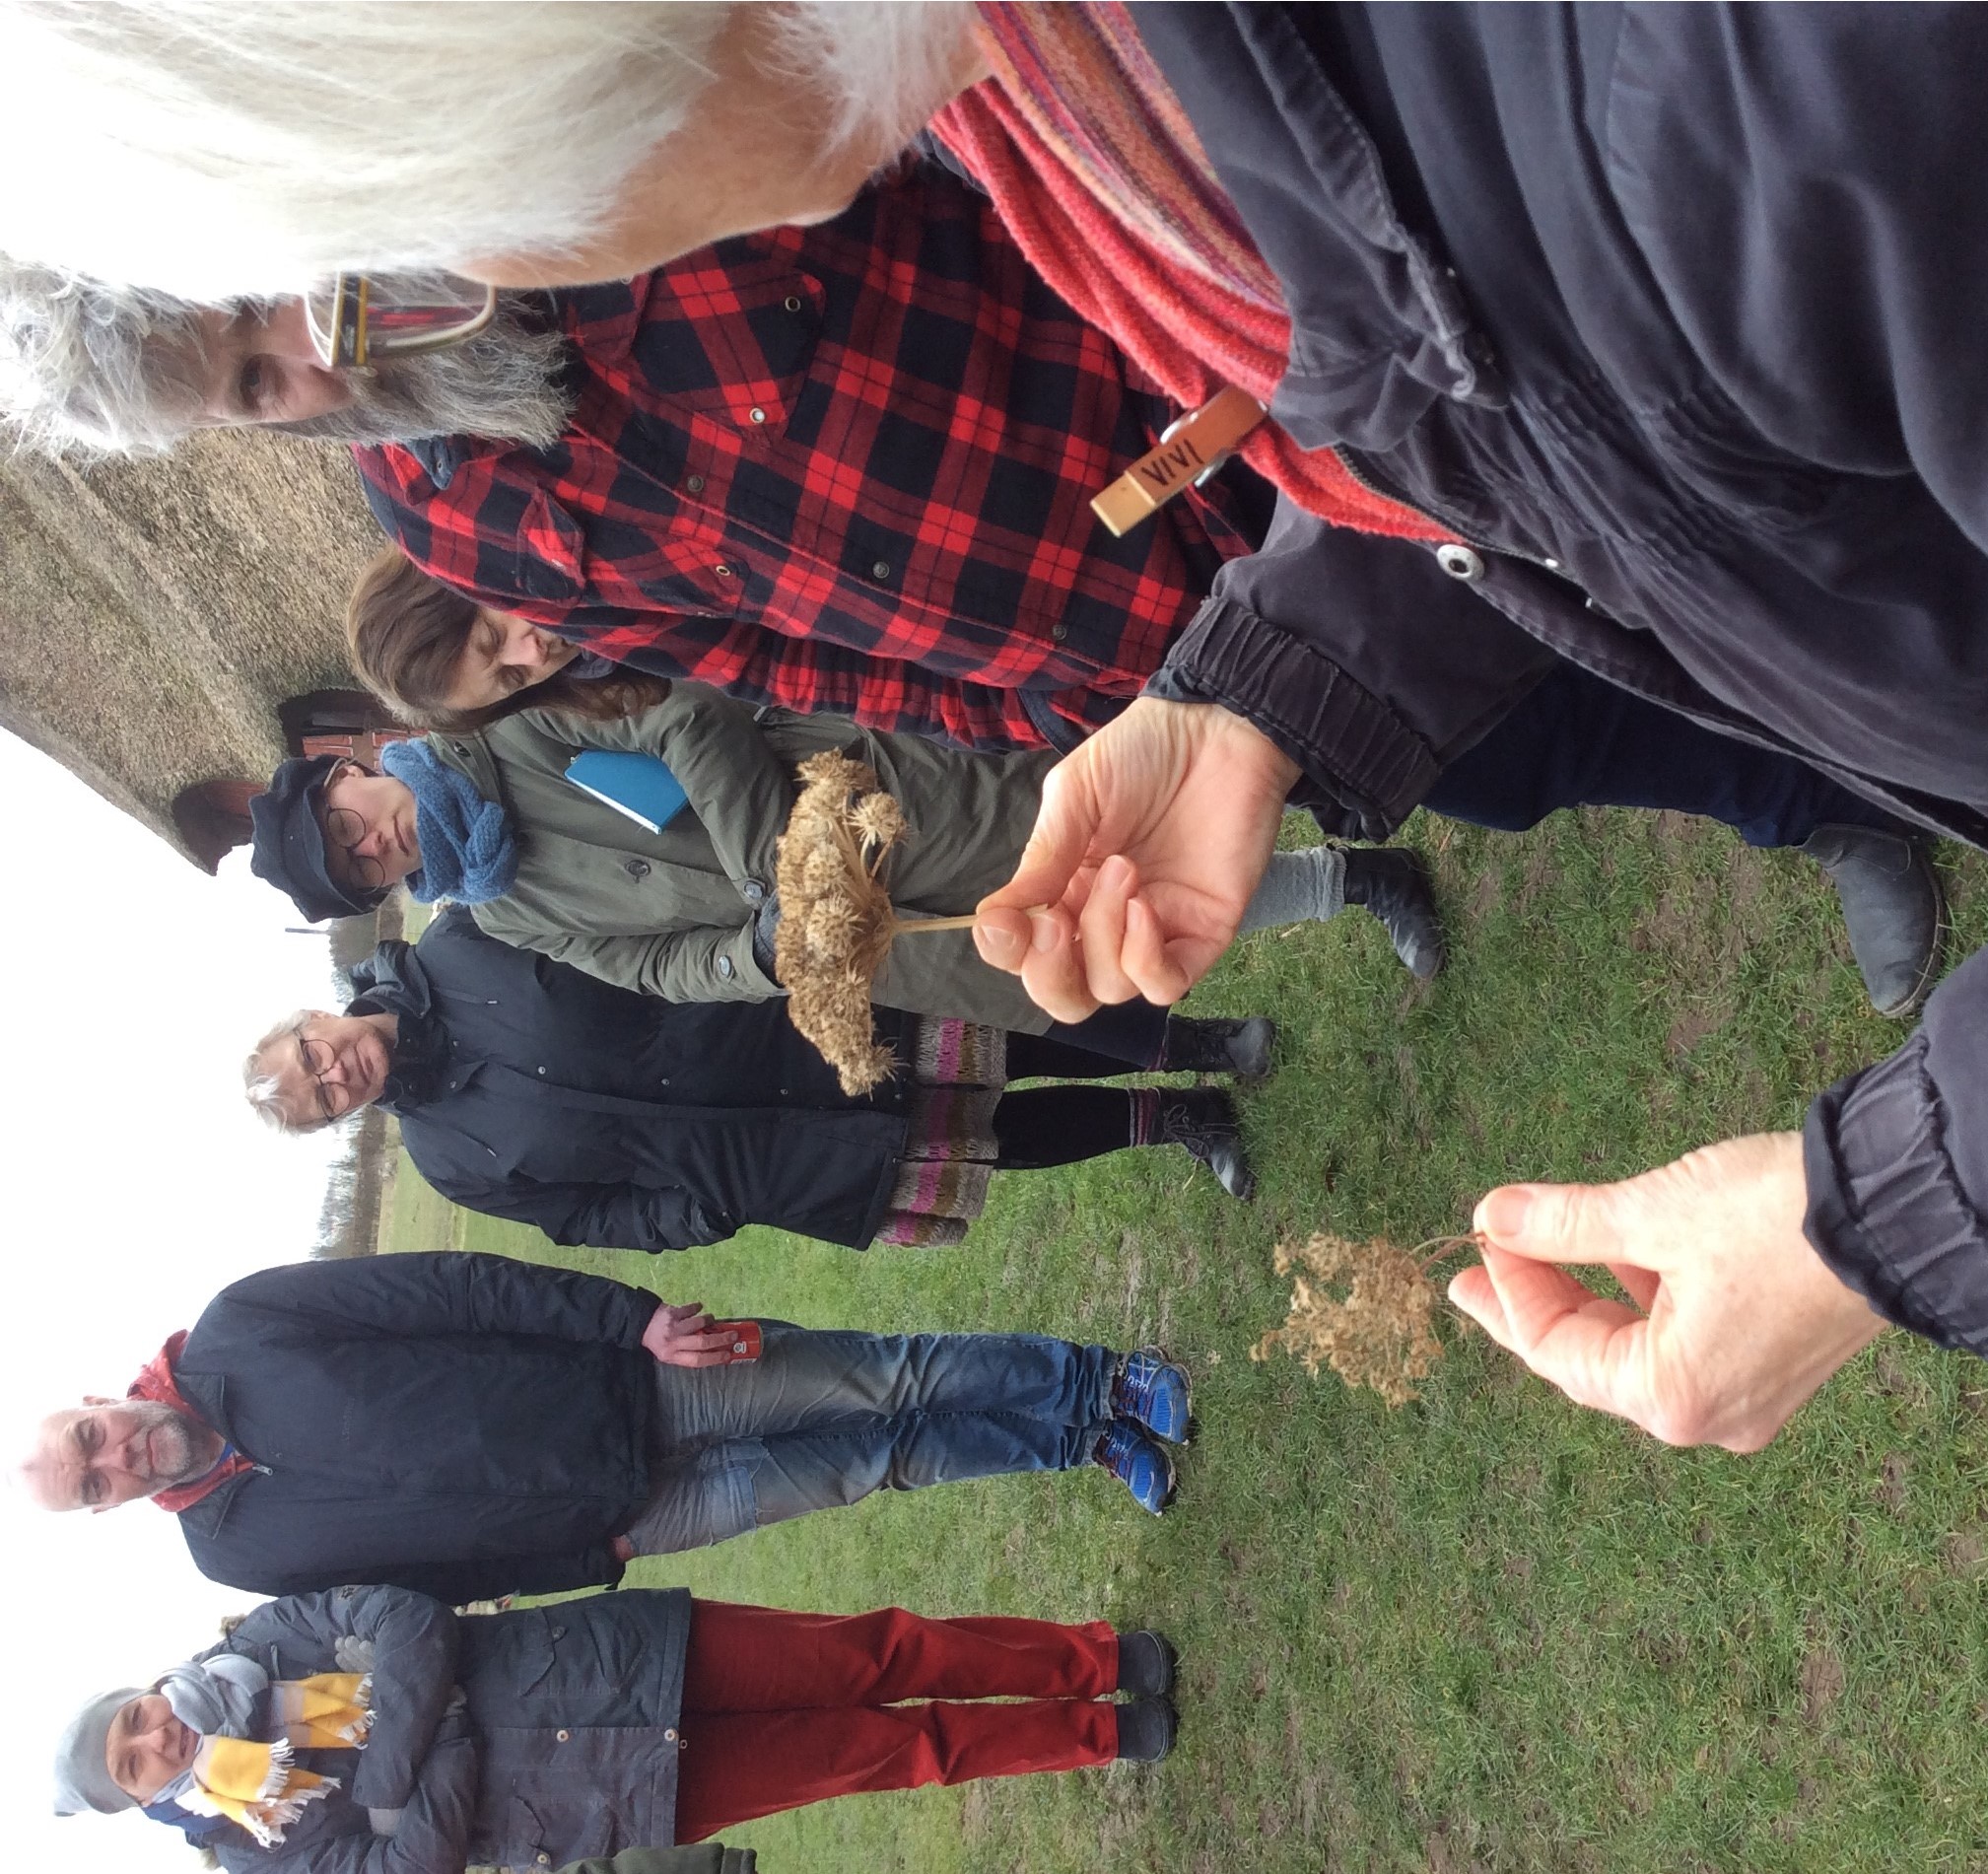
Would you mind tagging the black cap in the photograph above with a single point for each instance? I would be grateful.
(289, 844)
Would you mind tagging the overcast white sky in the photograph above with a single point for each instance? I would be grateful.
(136, 1183)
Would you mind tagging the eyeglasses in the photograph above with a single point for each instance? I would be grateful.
(359, 318)
(318, 1061)
(345, 829)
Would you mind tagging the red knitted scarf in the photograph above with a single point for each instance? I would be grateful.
(154, 1381)
(1097, 173)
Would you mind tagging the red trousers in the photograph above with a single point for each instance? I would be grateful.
(782, 1709)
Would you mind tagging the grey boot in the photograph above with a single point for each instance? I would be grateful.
(1203, 1120)
(1218, 1045)
(1893, 910)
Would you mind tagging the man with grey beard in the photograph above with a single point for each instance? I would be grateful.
(845, 467)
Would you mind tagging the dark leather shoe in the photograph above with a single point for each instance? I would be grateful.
(1194, 1045)
(1391, 882)
(1203, 1120)
(1147, 1730)
(1146, 1662)
(1893, 910)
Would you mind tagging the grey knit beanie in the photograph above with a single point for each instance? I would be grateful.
(82, 1781)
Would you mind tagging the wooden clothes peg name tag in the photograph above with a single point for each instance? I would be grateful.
(1189, 449)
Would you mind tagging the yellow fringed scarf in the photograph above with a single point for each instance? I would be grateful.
(258, 1786)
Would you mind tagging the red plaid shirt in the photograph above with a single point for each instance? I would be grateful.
(843, 468)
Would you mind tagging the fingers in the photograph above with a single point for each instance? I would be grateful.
(1596, 1351)
(1066, 823)
(1470, 1290)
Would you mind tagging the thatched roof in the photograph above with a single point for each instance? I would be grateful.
(154, 613)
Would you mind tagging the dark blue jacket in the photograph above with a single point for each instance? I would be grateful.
(1671, 316)
(465, 1425)
(532, 1090)
(565, 1743)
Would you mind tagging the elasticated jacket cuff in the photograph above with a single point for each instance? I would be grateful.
(1343, 736)
(1885, 1211)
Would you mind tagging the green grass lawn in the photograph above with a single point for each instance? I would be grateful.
(1487, 1631)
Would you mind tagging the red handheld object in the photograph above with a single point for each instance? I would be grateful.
(744, 1340)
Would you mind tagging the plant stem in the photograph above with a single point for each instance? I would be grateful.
(903, 927)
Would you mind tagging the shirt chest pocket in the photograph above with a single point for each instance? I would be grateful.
(614, 559)
(732, 339)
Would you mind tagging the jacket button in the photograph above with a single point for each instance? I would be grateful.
(725, 967)
(792, 302)
(542, 1858)
(752, 891)
(636, 868)
(757, 414)
(1460, 562)
(723, 571)
(1060, 631)
(565, 1737)
(694, 484)
(541, 1070)
(669, 1737)
(880, 568)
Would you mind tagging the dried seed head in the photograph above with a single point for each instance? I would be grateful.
(1377, 1333)
(836, 920)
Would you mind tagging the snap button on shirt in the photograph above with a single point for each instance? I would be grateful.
(1460, 560)
(752, 891)
(724, 966)
(563, 1736)
(636, 868)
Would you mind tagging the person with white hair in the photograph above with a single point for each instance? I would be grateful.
(1652, 330)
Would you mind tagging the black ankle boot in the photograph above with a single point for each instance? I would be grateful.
(1147, 1728)
(1222, 1045)
(1893, 910)
(1391, 882)
(1203, 1120)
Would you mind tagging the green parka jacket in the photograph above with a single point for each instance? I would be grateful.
(671, 914)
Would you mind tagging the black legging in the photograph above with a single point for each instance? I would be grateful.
(1044, 1125)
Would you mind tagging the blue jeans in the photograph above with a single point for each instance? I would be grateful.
(824, 1419)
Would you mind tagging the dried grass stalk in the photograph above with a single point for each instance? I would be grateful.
(1377, 1333)
(836, 922)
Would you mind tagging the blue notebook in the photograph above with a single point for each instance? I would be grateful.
(639, 785)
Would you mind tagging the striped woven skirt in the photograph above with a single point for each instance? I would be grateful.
(958, 1071)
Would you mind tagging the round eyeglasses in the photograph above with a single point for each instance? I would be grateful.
(345, 829)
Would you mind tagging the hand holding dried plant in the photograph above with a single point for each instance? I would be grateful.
(836, 922)
(1377, 1334)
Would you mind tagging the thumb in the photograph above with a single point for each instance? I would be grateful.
(1557, 1222)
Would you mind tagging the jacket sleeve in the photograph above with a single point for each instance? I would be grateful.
(595, 1216)
(705, 965)
(1897, 1169)
(558, 1573)
(413, 1639)
(708, 1857)
(433, 1835)
(1358, 657)
(446, 1292)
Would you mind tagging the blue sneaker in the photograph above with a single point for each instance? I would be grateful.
(1139, 1464)
(1151, 1391)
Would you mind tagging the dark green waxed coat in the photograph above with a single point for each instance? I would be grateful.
(671, 914)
